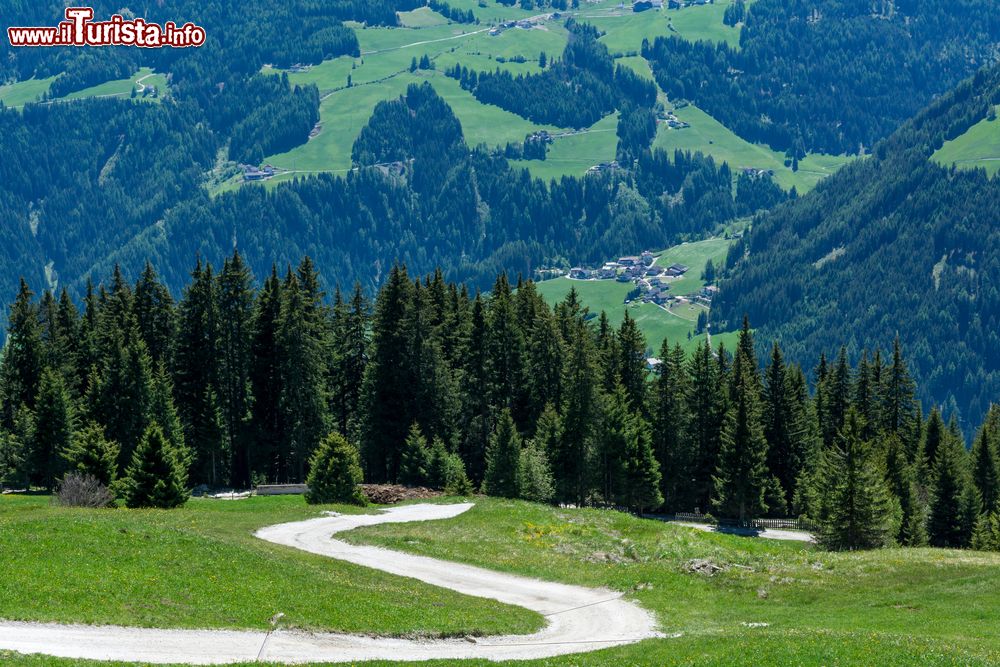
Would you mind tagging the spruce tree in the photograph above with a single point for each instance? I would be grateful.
(706, 407)
(741, 475)
(783, 450)
(901, 480)
(670, 419)
(985, 464)
(545, 353)
(898, 403)
(504, 349)
(303, 343)
(55, 418)
(414, 459)
(641, 470)
(22, 360)
(935, 434)
(236, 310)
(266, 424)
(859, 508)
(503, 459)
(947, 522)
(335, 473)
(476, 402)
(632, 363)
(387, 407)
(156, 476)
(534, 476)
(579, 414)
(155, 315)
(196, 378)
(92, 454)
(350, 357)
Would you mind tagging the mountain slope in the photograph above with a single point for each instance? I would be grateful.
(893, 244)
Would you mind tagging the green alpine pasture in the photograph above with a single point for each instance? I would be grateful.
(624, 29)
(711, 137)
(770, 603)
(574, 152)
(22, 92)
(977, 148)
(201, 567)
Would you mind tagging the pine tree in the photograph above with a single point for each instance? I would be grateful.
(414, 459)
(120, 393)
(632, 363)
(935, 433)
(266, 425)
(859, 509)
(534, 476)
(741, 475)
(706, 407)
(503, 459)
(505, 349)
(579, 414)
(335, 473)
(196, 378)
(155, 316)
(22, 360)
(350, 355)
(55, 421)
(901, 481)
(156, 476)
(985, 464)
(303, 340)
(670, 429)
(236, 310)
(783, 456)
(986, 535)
(947, 523)
(898, 403)
(544, 365)
(386, 402)
(92, 454)
(476, 402)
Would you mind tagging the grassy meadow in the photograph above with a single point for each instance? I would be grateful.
(772, 603)
(201, 567)
(978, 148)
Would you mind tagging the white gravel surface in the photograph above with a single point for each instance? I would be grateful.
(577, 619)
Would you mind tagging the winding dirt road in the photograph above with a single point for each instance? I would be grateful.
(577, 619)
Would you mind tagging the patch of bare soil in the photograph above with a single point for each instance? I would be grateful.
(389, 494)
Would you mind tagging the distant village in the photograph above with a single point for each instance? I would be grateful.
(652, 282)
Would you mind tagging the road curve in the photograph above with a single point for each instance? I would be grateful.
(577, 619)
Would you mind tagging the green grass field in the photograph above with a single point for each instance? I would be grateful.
(123, 87)
(713, 138)
(422, 17)
(574, 154)
(22, 92)
(773, 603)
(693, 255)
(624, 29)
(979, 147)
(201, 567)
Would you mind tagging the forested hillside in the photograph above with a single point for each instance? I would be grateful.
(893, 244)
(830, 75)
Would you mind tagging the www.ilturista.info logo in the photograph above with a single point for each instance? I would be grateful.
(80, 30)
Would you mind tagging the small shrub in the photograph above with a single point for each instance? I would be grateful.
(82, 490)
(335, 473)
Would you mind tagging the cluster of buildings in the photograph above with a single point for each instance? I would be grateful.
(524, 24)
(604, 166)
(252, 173)
(673, 122)
(652, 281)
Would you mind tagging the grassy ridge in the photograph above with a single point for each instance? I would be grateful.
(979, 148)
(201, 567)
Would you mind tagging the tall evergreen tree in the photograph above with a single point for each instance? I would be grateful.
(579, 414)
(670, 419)
(706, 407)
(196, 378)
(22, 362)
(386, 402)
(741, 475)
(503, 459)
(55, 422)
(266, 423)
(945, 525)
(155, 316)
(632, 363)
(350, 356)
(986, 459)
(236, 311)
(859, 509)
(303, 337)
